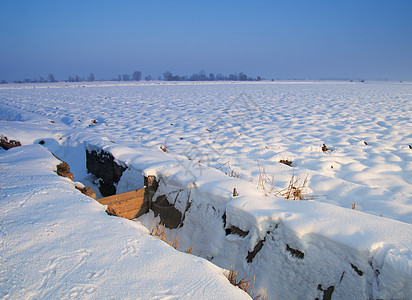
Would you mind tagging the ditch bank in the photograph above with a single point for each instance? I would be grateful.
(293, 249)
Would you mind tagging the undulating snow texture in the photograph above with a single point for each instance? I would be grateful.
(56, 243)
(294, 249)
(366, 127)
(224, 136)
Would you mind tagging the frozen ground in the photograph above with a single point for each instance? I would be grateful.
(294, 249)
(56, 243)
(308, 246)
(368, 128)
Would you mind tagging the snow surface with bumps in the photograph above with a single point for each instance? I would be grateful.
(211, 129)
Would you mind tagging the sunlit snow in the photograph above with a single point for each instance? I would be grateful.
(225, 135)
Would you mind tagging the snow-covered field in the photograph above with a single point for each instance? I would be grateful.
(368, 127)
(57, 243)
(242, 131)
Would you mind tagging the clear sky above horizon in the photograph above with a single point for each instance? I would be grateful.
(363, 39)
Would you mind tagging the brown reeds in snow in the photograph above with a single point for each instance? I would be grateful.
(159, 231)
(296, 189)
(163, 147)
(243, 283)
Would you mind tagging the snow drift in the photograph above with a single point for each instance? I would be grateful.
(294, 249)
(56, 243)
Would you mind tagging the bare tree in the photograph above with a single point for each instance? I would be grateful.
(233, 77)
(91, 77)
(137, 75)
(220, 77)
(242, 77)
(51, 78)
(202, 75)
(167, 76)
(195, 77)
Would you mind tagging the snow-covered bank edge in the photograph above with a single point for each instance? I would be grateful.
(57, 243)
(294, 248)
(307, 249)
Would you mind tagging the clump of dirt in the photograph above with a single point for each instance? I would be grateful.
(93, 122)
(325, 148)
(286, 162)
(6, 144)
(356, 269)
(236, 230)
(88, 191)
(295, 252)
(327, 293)
(251, 254)
(63, 170)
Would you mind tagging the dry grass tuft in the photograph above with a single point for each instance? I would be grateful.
(263, 179)
(261, 295)
(295, 190)
(163, 147)
(243, 283)
(159, 231)
(228, 170)
(354, 206)
(174, 243)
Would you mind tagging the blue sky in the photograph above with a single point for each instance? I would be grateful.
(363, 39)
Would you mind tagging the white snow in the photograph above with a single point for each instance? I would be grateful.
(245, 123)
(58, 244)
(335, 241)
(213, 129)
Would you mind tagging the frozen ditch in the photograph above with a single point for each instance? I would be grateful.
(294, 249)
(57, 243)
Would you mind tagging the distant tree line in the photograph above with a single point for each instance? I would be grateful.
(50, 78)
(201, 76)
(137, 76)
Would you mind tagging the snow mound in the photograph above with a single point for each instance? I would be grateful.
(57, 243)
(306, 248)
